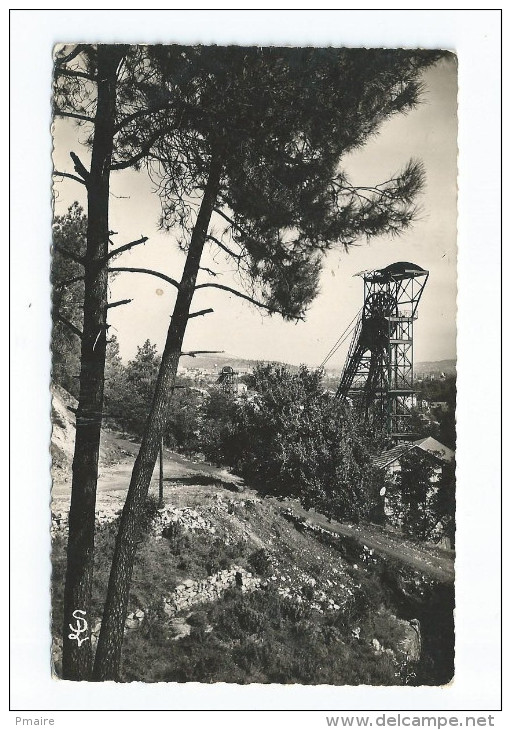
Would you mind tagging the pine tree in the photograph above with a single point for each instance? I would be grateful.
(258, 139)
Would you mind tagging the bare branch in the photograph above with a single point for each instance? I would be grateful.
(194, 353)
(74, 74)
(72, 54)
(200, 313)
(69, 325)
(208, 271)
(272, 310)
(110, 305)
(226, 217)
(79, 166)
(144, 151)
(67, 282)
(72, 115)
(69, 254)
(224, 247)
(136, 115)
(146, 271)
(57, 173)
(158, 107)
(125, 247)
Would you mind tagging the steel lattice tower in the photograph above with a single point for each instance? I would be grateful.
(378, 373)
(228, 379)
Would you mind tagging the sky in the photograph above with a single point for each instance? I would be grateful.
(428, 133)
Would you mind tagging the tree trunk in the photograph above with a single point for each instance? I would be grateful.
(160, 485)
(108, 654)
(77, 650)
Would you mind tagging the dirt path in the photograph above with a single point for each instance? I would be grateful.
(187, 480)
(428, 559)
(114, 479)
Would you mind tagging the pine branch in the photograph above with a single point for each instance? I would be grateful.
(144, 151)
(70, 56)
(67, 282)
(79, 166)
(208, 271)
(224, 247)
(158, 274)
(125, 247)
(110, 305)
(72, 115)
(226, 217)
(69, 254)
(194, 353)
(272, 310)
(136, 115)
(57, 173)
(69, 325)
(200, 313)
(74, 74)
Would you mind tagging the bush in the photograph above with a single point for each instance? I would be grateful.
(177, 537)
(258, 637)
(294, 440)
(260, 562)
(198, 619)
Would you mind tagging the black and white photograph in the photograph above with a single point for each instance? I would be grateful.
(253, 364)
(256, 468)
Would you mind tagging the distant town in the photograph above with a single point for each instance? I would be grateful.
(206, 369)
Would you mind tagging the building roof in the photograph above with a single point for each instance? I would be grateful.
(387, 457)
(394, 272)
(431, 445)
(427, 444)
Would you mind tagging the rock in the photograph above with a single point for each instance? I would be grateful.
(180, 628)
(96, 629)
(408, 641)
(411, 643)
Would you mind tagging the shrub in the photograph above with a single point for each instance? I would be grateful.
(294, 440)
(256, 637)
(177, 537)
(198, 618)
(260, 562)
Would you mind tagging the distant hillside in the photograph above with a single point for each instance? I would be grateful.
(438, 366)
(216, 362)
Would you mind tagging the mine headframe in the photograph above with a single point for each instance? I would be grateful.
(228, 379)
(378, 373)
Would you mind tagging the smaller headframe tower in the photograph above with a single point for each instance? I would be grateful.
(378, 373)
(228, 379)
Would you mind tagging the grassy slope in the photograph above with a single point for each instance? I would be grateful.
(313, 622)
